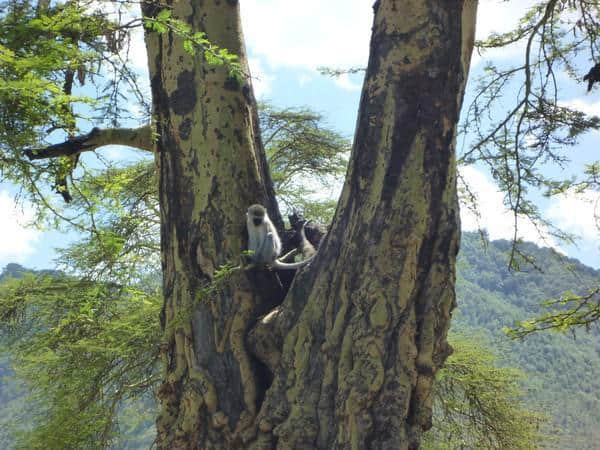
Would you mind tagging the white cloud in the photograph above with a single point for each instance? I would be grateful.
(261, 80)
(304, 78)
(16, 241)
(577, 213)
(346, 83)
(313, 33)
(495, 217)
(499, 16)
(336, 33)
(137, 50)
(309, 34)
(591, 108)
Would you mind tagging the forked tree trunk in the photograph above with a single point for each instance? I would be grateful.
(363, 329)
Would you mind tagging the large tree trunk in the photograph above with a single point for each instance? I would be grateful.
(211, 166)
(356, 344)
(364, 330)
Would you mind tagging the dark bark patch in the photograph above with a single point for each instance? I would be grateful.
(406, 126)
(231, 84)
(183, 99)
(238, 136)
(247, 93)
(222, 368)
(218, 134)
(185, 129)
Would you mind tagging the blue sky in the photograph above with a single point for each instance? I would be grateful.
(286, 42)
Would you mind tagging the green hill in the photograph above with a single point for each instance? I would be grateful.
(562, 370)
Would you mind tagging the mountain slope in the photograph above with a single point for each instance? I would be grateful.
(562, 371)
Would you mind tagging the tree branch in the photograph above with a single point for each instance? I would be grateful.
(140, 138)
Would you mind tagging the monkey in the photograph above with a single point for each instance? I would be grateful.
(264, 241)
(592, 76)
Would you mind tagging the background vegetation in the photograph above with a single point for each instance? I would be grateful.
(489, 395)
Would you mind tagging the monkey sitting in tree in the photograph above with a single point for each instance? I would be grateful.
(264, 241)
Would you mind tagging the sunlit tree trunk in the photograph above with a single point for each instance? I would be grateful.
(211, 167)
(355, 345)
(364, 330)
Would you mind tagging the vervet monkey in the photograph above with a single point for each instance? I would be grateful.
(264, 241)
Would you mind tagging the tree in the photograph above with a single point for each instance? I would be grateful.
(86, 350)
(480, 405)
(539, 124)
(361, 333)
(567, 313)
(211, 166)
(400, 194)
(96, 335)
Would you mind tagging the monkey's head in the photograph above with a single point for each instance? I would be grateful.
(256, 213)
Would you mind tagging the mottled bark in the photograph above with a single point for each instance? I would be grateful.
(356, 344)
(211, 168)
(364, 327)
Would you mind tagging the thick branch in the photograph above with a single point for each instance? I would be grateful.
(140, 138)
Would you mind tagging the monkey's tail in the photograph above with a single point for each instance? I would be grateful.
(281, 265)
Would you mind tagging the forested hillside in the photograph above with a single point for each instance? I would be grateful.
(562, 371)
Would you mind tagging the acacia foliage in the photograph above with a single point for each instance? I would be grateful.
(87, 352)
(479, 404)
(300, 147)
(48, 52)
(519, 136)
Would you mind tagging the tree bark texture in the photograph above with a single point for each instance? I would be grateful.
(211, 168)
(364, 327)
(356, 344)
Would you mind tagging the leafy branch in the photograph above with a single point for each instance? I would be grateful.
(575, 311)
(538, 125)
(194, 41)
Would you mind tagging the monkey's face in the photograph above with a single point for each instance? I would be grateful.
(256, 220)
(257, 214)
